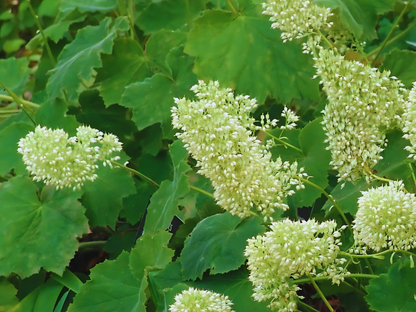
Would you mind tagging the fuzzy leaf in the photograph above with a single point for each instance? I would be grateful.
(112, 288)
(151, 106)
(164, 202)
(33, 224)
(78, 59)
(243, 52)
(394, 291)
(126, 65)
(9, 157)
(218, 243)
(103, 197)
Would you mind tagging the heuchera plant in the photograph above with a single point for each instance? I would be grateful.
(222, 155)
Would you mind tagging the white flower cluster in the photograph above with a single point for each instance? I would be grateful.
(219, 133)
(195, 300)
(291, 250)
(57, 160)
(362, 104)
(297, 18)
(409, 122)
(291, 119)
(386, 219)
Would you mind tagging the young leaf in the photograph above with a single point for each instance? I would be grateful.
(112, 288)
(38, 231)
(164, 202)
(394, 291)
(218, 243)
(78, 59)
(243, 52)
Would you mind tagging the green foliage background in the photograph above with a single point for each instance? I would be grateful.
(117, 66)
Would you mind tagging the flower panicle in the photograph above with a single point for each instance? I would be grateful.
(57, 159)
(219, 133)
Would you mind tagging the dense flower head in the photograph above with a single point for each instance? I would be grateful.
(386, 218)
(409, 122)
(195, 300)
(290, 250)
(53, 157)
(362, 104)
(219, 133)
(297, 18)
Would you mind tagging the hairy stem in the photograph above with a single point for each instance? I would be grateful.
(24, 102)
(284, 142)
(318, 290)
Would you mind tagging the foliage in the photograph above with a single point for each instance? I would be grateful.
(151, 225)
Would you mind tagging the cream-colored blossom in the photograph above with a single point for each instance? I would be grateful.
(386, 218)
(297, 18)
(195, 300)
(362, 104)
(409, 122)
(51, 156)
(218, 131)
(291, 250)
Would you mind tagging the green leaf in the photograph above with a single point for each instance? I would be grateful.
(359, 16)
(69, 280)
(52, 114)
(9, 157)
(218, 243)
(89, 5)
(112, 288)
(103, 197)
(244, 53)
(164, 202)
(400, 63)
(151, 106)
(123, 239)
(56, 31)
(167, 14)
(159, 46)
(113, 119)
(316, 162)
(236, 286)
(150, 254)
(48, 295)
(78, 59)
(394, 291)
(33, 223)
(8, 293)
(14, 73)
(126, 65)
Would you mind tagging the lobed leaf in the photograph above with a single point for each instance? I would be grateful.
(38, 230)
(400, 63)
(78, 59)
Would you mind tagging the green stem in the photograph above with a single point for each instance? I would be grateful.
(318, 290)
(413, 173)
(26, 103)
(327, 42)
(45, 39)
(306, 306)
(393, 29)
(330, 198)
(18, 101)
(403, 33)
(325, 278)
(9, 111)
(231, 6)
(85, 246)
(284, 143)
(131, 14)
(354, 289)
(147, 179)
(369, 266)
